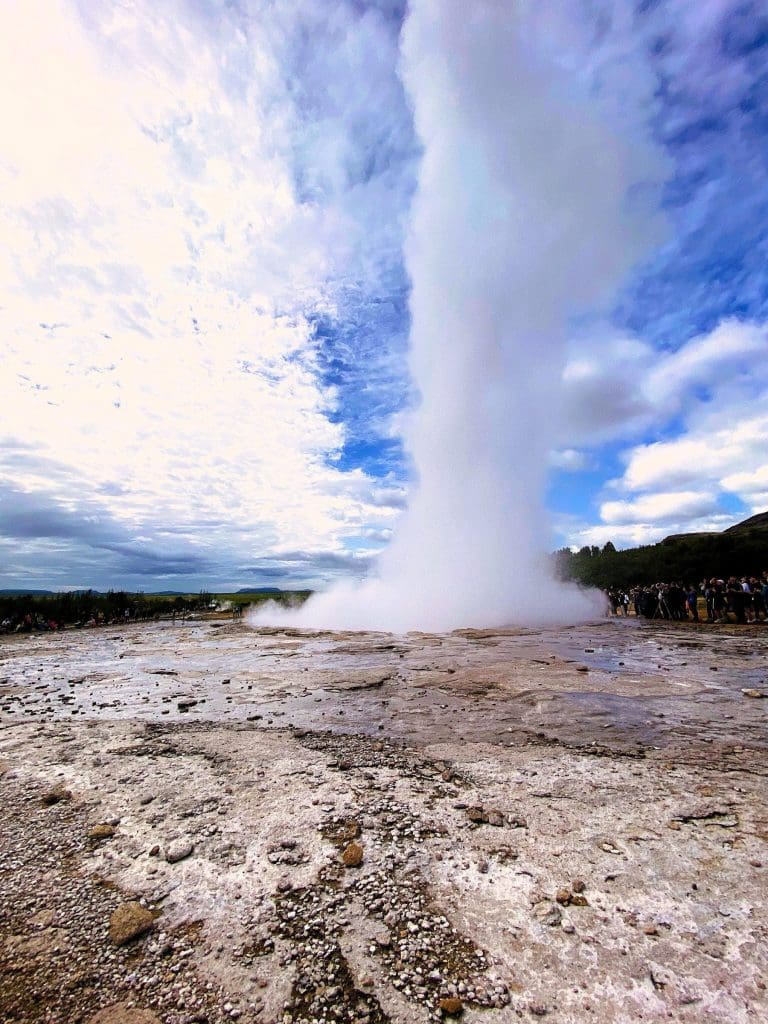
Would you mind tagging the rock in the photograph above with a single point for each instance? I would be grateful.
(102, 831)
(578, 885)
(178, 850)
(563, 897)
(495, 818)
(477, 814)
(352, 855)
(124, 1013)
(154, 851)
(128, 922)
(754, 693)
(55, 795)
(290, 857)
(578, 899)
(547, 913)
(451, 1005)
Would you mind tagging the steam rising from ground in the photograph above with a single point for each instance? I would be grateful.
(521, 220)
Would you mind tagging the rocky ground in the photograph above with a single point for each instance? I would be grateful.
(499, 842)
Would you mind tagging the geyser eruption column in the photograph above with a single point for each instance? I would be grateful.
(519, 221)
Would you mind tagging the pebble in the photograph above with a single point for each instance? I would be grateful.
(352, 855)
(55, 795)
(178, 850)
(102, 831)
(451, 1005)
(129, 921)
(547, 913)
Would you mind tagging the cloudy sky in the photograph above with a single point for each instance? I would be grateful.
(205, 208)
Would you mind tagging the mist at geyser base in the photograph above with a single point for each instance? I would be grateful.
(522, 219)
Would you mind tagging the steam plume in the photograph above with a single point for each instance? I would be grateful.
(520, 221)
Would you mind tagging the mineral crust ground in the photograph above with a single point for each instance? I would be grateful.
(205, 822)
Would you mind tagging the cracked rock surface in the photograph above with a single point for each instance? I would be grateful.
(447, 866)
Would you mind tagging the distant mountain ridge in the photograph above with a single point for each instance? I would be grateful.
(758, 522)
(24, 592)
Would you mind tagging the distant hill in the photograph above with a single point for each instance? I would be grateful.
(740, 550)
(260, 590)
(758, 522)
(23, 592)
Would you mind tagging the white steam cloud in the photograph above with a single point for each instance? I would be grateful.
(529, 210)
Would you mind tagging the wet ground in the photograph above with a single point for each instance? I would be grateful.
(627, 681)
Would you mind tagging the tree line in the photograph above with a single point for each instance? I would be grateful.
(687, 557)
(81, 607)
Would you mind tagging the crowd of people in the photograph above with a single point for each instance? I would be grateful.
(712, 600)
(37, 623)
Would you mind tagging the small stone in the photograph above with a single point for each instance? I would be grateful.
(128, 922)
(352, 855)
(547, 913)
(451, 1005)
(538, 1009)
(178, 850)
(154, 851)
(563, 897)
(578, 899)
(578, 885)
(650, 929)
(754, 693)
(55, 795)
(102, 831)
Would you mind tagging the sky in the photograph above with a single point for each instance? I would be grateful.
(209, 212)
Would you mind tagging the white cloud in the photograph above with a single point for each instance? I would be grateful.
(706, 361)
(639, 533)
(727, 453)
(570, 459)
(618, 386)
(663, 507)
(711, 394)
(161, 264)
